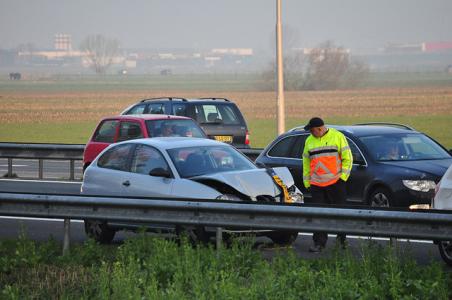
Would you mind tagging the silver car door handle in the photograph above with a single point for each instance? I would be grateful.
(126, 183)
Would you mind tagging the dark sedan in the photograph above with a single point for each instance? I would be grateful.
(394, 165)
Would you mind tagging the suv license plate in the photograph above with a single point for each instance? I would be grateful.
(223, 138)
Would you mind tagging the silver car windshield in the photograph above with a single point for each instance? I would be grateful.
(195, 161)
(401, 147)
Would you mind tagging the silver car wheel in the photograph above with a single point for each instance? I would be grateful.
(445, 249)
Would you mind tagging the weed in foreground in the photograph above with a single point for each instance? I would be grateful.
(148, 267)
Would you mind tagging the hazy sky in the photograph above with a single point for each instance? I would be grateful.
(225, 23)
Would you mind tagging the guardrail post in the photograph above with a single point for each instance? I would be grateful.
(72, 170)
(219, 238)
(41, 169)
(67, 236)
(10, 167)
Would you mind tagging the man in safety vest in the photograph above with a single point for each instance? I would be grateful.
(327, 162)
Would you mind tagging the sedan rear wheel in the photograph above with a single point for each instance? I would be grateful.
(99, 231)
(380, 197)
(445, 249)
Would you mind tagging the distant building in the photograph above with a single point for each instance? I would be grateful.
(233, 51)
(426, 47)
(308, 51)
(63, 42)
(403, 48)
(437, 47)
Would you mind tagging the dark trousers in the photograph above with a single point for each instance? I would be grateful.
(332, 194)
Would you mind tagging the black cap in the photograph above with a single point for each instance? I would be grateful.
(314, 122)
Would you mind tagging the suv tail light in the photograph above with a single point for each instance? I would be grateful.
(247, 138)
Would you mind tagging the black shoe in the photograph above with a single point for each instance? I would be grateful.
(315, 248)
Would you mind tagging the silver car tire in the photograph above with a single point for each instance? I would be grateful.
(99, 231)
(445, 249)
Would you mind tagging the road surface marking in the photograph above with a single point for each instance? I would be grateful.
(46, 181)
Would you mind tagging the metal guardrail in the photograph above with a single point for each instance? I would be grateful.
(69, 152)
(426, 225)
(42, 152)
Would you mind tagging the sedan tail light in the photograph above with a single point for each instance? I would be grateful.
(247, 138)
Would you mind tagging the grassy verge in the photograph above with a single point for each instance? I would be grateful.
(263, 131)
(153, 268)
(190, 82)
(198, 82)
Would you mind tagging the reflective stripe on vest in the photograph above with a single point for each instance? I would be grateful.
(325, 165)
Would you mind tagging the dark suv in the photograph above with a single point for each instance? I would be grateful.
(218, 117)
(393, 165)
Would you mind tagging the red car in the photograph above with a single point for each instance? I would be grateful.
(127, 127)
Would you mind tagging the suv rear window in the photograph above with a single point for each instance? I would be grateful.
(221, 113)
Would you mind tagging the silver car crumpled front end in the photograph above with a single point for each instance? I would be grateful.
(256, 185)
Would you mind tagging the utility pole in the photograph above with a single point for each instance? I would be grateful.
(280, 72)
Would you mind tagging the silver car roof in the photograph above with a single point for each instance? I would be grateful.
(164, 143)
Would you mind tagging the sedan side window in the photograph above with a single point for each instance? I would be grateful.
(146, 159)
(106, 132)
(116, 158)
(282, 148)
(357, 156)
(298, 146)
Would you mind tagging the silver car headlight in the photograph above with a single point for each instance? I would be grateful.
(420, 185)
(228, 197)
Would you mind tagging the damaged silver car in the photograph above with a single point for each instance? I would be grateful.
(175, 167)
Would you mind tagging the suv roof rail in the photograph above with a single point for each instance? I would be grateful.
(215, 98)
(387, 124)
(163, 98)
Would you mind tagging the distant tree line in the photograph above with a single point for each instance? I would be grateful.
(326, 67)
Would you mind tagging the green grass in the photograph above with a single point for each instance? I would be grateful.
(153, 268)
(190, 82)
(262, 131)
(64, 133)
(409, 79)
(197, 82)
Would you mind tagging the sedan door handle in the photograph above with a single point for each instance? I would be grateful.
(126, 183)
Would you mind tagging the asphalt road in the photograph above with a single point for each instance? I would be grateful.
(52, 169)
(42, 229)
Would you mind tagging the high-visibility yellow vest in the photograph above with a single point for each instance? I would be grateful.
(326, 159)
